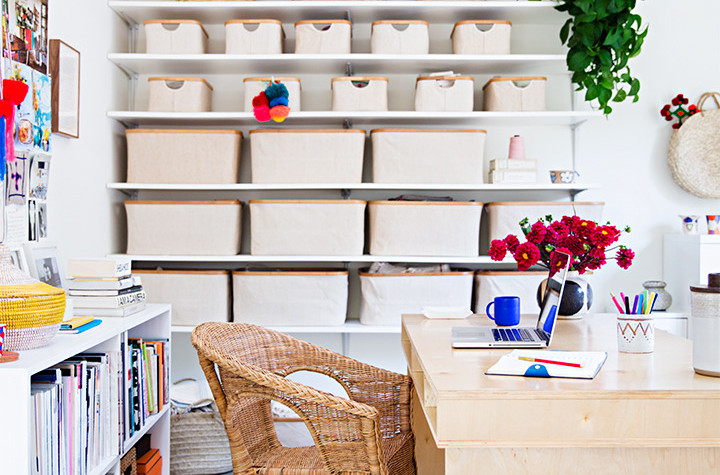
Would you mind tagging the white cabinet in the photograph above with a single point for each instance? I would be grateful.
(687, 260)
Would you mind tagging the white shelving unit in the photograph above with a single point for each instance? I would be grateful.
(347, 327)
(243, 258)
(15, 399)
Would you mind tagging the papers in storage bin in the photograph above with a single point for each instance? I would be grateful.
(511, 365)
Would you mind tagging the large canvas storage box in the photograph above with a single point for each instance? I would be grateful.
(307, 227)
(197, 296)
(290, 298)
(503, 218)
(254, 86)
(254, 37)
(444, 93)
(179, 94)
(400, 37)
(428, 155)
(515, 94)
(175, 37)
(307, 155)
(424, 228)
(360, 94)
(490, 284)
(183, 156)
(194, 228)
(481, 37)
(323, 36)
(385, 297)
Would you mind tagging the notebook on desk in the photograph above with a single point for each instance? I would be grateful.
(513, 364)
(524, 337)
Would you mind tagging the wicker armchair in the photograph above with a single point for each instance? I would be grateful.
(246, 367)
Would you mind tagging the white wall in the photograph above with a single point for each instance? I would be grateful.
(626, 154)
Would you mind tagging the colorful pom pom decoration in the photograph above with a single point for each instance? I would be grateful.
(272, 103)
(678, 110)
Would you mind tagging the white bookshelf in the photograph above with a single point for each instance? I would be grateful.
(243, 258)
(15, 399)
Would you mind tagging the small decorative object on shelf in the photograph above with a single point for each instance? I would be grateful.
(679, 112)
(517, 147)
(560, 177)
(690, 224)
(31, 310)
(705, 316)
(587, 241)
(272, 103)
(664, 299)
(635, 327)
(713, 223)
(601, 40)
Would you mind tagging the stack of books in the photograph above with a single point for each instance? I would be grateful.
(513, 170)
(104, 288)
(79, 324)
(148, 380)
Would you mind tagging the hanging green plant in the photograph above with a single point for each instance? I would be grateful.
(602, 36)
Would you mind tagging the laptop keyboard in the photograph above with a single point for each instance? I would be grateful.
(511, 334)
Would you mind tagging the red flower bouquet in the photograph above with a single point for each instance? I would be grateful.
(588, 242)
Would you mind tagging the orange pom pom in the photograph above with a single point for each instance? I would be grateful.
(279, 111)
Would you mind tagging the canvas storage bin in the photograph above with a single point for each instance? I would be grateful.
(196, 156)
(323, 36)
(179, 94)
(503, 218)
(290, 298)
(307, 227)
(175, 37)
(359, 93)
(481, 37)
(195, 228)
(444, 93)
(424, 228)
(386, 297)
(254, 37)
(197, 296)
(254, 86)
(399, 37)
(491, 284)
(428, 155)
(307, 155)
(515, 94)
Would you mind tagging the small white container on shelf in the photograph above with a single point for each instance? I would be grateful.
(256, 85)
(195, 228)
(183, 156)
(179, 94)
(290, 298)
(444, 93)
(424, 228)
(197, 296)
(490, 284)
(515, 94)
(307, 227)
(428, 155)
(307, 155)
(323, 36)
(385, 297)
(360, 93)
(254, 37)
(175, 37)
(481, 37)
(503, 217)
(636, 333)
(399, 37)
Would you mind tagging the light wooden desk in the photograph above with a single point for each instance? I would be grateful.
(642, 414)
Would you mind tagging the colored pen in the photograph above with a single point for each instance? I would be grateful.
(627, 304)
(616, 303)
(635, 305)
(653, 303)
(642, 302)
(540, 360)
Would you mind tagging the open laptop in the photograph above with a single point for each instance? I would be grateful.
(522, 337)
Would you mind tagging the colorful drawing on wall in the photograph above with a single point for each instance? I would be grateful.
(17, 178)
(27, 22)
(39, 176)
(41, 93)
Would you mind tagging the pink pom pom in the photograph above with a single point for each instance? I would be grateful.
(262, 114)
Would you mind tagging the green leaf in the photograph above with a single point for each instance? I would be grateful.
(565, 31)
(634, 87)
(620, 96)
(605, 57)
(592, 93)
(578, 60)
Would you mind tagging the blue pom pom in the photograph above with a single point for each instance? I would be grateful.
(276, 90)
(278, 101)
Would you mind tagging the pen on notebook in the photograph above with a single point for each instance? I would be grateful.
(540, 360)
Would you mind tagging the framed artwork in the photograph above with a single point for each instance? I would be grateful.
(65, 102)
(43, 264)
(17, 256)
(26, 23)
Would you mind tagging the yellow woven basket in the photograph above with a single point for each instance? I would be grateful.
(32, 310)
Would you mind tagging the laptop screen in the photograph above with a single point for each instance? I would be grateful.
(553, 289)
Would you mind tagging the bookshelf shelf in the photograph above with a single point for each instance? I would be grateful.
(104, 466)
(243, 258)
(348, 327)
(149, 424)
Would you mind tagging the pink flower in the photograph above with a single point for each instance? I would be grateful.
(585, 228)
(556, 232)
(605, 235)
(537, 233)
(575, 245)
(526, 256)
(624, 257)
(512, 242)
(597, 260)
(498, 250)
